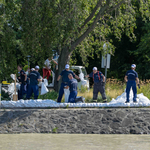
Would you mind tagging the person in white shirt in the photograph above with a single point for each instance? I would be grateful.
(47, 67)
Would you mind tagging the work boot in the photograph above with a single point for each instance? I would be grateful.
(127, 102)
(104, 100)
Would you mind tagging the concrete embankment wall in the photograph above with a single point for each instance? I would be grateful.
(83, 121)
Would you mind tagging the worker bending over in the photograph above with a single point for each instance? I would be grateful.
(64, 74)
(72, 85)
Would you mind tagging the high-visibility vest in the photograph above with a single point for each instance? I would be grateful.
(98, 76)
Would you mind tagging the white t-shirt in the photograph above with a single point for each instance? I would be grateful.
(47, 63)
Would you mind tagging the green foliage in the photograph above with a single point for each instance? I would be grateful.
(5, 96)
(50, 95)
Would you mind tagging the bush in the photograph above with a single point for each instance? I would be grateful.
(50, 95)
(5, 96)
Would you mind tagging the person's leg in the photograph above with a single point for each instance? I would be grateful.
(134, 91)
(44, 73)
(102, 91)
(61, 92)
(48, 73)
(29, 93)
(95, 91)
(36, 91)
(21, 91)
(72, 97)
(128, 90)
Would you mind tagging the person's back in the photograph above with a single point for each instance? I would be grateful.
(34, 76)
(132, 75)
(73, 84)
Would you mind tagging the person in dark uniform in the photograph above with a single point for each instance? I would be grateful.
(64, 74)
(23, 79)
(99, 84)
(34, 78)
(72, 85)
(131, 77)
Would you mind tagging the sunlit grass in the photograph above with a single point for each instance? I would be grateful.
(114, 88)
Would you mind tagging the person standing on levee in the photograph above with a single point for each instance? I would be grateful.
(72, 85)
(64, 74)
(131, 77)
(23, 82)
(34, 78)
(99, 84)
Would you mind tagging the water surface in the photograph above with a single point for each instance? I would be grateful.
(73, 142)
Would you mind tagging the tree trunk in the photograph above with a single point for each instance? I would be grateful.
(64, 58)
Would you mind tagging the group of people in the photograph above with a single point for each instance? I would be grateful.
(69, 82)
(29, 83)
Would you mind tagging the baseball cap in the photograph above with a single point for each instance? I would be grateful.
(37, 67)
(32, 69)
(67, 66)
(133, 66)
(94, 68)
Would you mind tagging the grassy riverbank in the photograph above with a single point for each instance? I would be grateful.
(115, 88)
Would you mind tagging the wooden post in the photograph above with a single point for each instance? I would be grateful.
(15, 96)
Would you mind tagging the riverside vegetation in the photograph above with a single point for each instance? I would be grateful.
(113, 88)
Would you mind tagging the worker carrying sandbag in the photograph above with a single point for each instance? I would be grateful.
(72, 85)
(99, 84)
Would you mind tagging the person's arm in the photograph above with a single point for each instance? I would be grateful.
(25, 77)
(137, 79)
(66, 87)
(77, 77)
(125, 78)
(58, 77)
(87, 76)
(103, 78)
(55, 62)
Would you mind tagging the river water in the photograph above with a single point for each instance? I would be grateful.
(73, 142)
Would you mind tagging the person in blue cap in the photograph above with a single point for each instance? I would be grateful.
(99, 84)
(131, 77)
(23, 80)
(34, 78)
(72, 85)
(64, 74)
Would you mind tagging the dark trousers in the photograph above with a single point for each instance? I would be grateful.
(133, 85)
(72, 97)
(99, 87)
(21, 92)
(61, 92)
(33, 89)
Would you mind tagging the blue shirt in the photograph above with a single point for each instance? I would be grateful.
(22, 77)
(34, 75)
(132, 75)
(65, 74)
(96, 77)
(73, 85)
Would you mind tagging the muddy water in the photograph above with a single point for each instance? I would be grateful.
(73, 142)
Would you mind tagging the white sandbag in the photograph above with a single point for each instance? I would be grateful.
(45, 82)
(44, 89)
(81, 76)
(67, 93)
